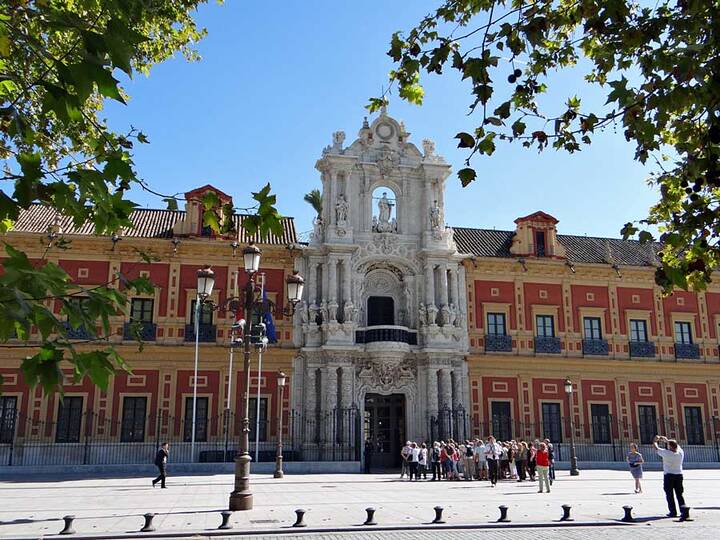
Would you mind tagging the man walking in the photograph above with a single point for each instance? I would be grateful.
(672, 458)
(435, 461)
(492, 454)
(161, 463)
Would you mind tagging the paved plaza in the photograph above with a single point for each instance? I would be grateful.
(33, 506)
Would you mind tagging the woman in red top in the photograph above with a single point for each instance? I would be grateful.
(543, 466)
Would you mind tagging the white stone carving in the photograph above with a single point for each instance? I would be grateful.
(383, 223)
(435, 216)
(386, 375)
(341, 209)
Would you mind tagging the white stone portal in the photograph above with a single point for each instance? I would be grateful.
(384, 308)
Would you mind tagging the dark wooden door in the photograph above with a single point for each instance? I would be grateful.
(384, 429)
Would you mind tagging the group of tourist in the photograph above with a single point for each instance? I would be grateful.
(480, 460)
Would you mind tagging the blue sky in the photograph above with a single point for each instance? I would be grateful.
(276, 79)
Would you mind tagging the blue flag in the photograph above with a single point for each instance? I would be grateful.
(268, 320)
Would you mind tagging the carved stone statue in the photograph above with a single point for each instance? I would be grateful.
(435, 217)
(452, 314)
(385, 209)
(317, 228)
(303, 309)
(428, 148)
(341, 209)
(432, 312)
(323, 311)
(348, 311)
(422, 315)
(338, 140)
(445, 315)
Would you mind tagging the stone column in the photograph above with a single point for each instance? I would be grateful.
(445, 388)
(330, 393)
(310, 416)
(346, 387)
(452, 286)
(443, 284)
(347, 294)
(457, 387)
(312, 283)
(429, 283)
(432, 392)
(331, 295)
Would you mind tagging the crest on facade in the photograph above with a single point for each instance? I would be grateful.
(386, 375)
(387, 161)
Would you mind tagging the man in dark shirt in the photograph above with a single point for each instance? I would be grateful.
(161, 463)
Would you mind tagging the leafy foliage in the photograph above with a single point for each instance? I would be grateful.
(59, 61)
(659, 63)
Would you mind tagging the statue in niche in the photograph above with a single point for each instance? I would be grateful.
(383, 220)
(452, 314)
(422, 315)
(341, 209)
(435, 217)
(348, 311)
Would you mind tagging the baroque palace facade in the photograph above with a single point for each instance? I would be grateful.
(409, 329)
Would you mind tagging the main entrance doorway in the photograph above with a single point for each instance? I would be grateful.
(384, 429)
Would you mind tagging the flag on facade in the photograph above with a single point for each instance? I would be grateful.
(268, 319)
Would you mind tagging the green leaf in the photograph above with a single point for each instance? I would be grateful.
(466, 140)
(466, 176)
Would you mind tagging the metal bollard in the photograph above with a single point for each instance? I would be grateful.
(370, 520)
(300, 521)
(685, 514)
(628, 518)
(566, 513)
(225, 519)
(438, 515)
(148, 527)
(503, 514)
(68, 525)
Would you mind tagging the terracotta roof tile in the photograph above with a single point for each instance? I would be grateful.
(148, 223)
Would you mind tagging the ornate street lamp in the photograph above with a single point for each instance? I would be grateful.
(281, 380)
(251, 258)
(573, 458)
(205, 284)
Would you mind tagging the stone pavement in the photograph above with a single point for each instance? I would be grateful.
(33, 506)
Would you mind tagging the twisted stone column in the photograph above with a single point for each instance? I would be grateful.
(445, 390)
(330, 391)
(310, 416)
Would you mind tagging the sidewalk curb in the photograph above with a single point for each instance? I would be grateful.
(288, 530)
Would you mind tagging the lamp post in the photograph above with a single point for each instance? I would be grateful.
(241, 497)
(281, 379)
(573, 458)
(205, 284)
(234, 342)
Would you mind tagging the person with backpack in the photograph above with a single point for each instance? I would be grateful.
(469, 469)
(435, 461)
(161, 463)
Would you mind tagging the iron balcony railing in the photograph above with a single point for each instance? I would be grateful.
(498, 343)
(547, 345)
(689, 351)
(642, 349)
(374, 334)
(208, 333)
(595, 347)
(147, 330)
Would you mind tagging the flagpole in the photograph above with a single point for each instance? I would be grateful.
(257, 400)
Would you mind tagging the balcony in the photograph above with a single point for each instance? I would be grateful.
(498, 343)
(642, 349)
(595, 347)
(77, 333)
(374, 334)
(690, 351)
(547, 345)
(207, 334)
(147, 330)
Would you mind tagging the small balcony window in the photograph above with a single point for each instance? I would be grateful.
(638, 331)
(496, 324)
(592, 328)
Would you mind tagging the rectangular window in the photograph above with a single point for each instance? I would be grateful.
(141, 310)
(647, 420)
(544, 326)
(683, 333)
(501, 420)
(600, 421)
(592, 329)
(133, 419)
(206, 313)
(496, 324)
(252, 415)
(69, 420)
(540, 243)
(201, 419)
(8, 414)
(79, 302)
(694, 426)
(638, 330)
(552, 422)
